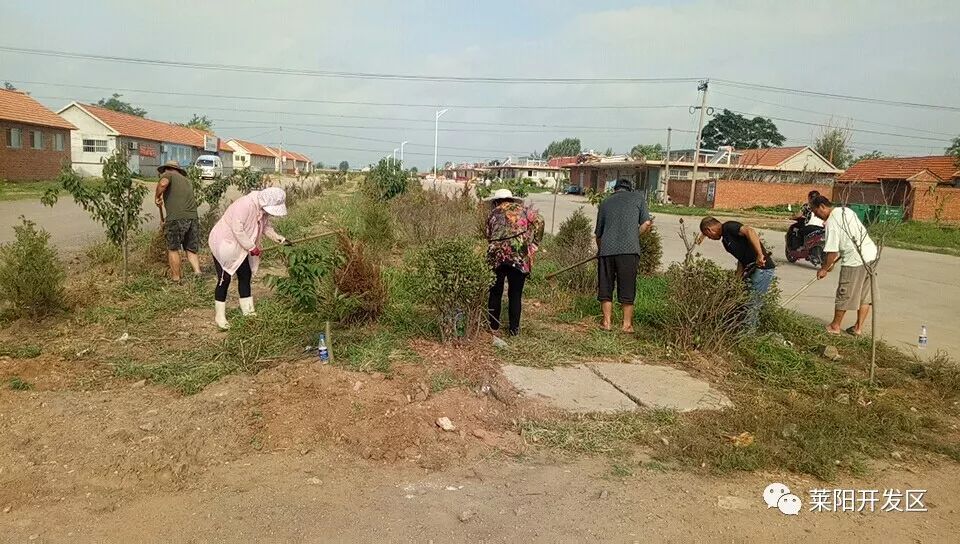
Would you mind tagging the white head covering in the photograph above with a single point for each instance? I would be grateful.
(273, 200)
(503, 194)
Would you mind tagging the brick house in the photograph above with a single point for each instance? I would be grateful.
(928, 188)
(100, 132)
(34, 141)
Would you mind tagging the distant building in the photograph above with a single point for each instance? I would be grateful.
(34, 141)
(100, 132)
(290, 162)
(252, 155)
(534, 169)
(928, 188)
(465, 171)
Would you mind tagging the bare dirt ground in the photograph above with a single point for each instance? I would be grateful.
(310, 453)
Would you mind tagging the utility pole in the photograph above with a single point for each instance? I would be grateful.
(696, 154)
(666, 170)
(401, 152)
(436, 141)
(280, 158)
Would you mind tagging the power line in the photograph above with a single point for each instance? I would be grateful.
(822, 125)
(901, 127)
(836, 96)
(347, 75)
(372, 117)
(359, 103)
(394, 142)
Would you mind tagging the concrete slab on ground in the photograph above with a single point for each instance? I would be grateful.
(573, 388)
(655, 386)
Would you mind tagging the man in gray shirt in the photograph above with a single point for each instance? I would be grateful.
(621, 218)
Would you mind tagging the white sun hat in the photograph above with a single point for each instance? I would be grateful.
(503, 194)
(273, 200)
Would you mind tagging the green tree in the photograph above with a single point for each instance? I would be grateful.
(608, 152)
(867, 156)
(9, 86)
(729, 128)
(344, 166)
(117, 203)
(114, 103)
(566, 147)
(199, 122)
(385, 180)
(954, 149)
(651, 152)
(833, 143)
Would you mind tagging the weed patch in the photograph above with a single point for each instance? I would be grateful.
(20, 352)
(18, 384)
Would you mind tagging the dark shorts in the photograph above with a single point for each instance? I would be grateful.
(620, 270)
(182, 232)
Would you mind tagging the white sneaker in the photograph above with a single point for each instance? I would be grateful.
(246, 307)
(221, 315)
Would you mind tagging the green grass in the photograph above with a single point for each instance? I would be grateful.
(28, 190)
(362, 349)
(146, 298)
(27, 351)
(250, 345)
(443, 380)
(18, 384)
(924, 236)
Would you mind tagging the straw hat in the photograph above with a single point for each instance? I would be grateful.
(171, 164)
(503, 194)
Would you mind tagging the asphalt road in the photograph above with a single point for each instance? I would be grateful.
(916, 288)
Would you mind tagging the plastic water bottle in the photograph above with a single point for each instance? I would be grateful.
(322, 352)
(922, 341)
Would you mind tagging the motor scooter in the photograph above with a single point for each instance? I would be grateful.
(810, 248)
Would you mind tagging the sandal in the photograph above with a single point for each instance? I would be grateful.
(828, 330)
(852, 331)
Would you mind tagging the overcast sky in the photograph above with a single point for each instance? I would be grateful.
(903, 51)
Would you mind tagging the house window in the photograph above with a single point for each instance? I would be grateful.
(14, 137)
(95, 146)
(58, 142)
(36, 139)
(529, 173)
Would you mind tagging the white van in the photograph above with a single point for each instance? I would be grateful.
(211, 167)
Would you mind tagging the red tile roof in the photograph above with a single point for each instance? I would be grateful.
(147, 129)
(874, 170)
(771, 156)
(256, 149)
(20, 107)
(560, 162)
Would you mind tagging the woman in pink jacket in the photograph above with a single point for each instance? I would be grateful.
(235, 244)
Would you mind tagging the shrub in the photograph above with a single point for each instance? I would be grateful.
(306, 268)
(368, 220)
(421, 217)
(385, 181)
(246, 180)
(651, 252)
(572, 244)
(360, 292)
(453, 278)
(31, 275)
(706, 306)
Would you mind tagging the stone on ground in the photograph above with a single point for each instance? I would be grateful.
(656, 386)
(574, 388)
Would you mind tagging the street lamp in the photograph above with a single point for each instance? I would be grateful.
(395, 155)
(401, 151)
(436, 139)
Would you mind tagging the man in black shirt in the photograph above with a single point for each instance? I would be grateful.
(754, 263)
(621, 218)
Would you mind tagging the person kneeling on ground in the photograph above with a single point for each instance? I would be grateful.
(754, 262)
(847, 241)
(181, 226)
(235, 245)
(621, 219)
(514, 232)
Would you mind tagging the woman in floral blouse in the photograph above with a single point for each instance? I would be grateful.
(514, 232)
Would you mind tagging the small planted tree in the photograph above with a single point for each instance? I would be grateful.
(385, 180)
(453, 277)
(31, 275)
(117, 203)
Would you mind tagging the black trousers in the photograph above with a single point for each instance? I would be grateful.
(619, 271)
(515, 279)
(244, 274)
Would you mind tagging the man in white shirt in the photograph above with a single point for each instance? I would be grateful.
(847, 241)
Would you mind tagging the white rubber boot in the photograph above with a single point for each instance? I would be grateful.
(246, 307)
(221, 315)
